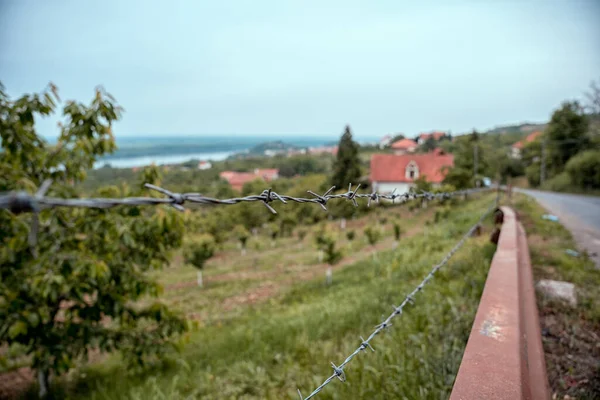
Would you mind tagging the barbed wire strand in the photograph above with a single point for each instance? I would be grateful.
(338, 370)
(19, 201)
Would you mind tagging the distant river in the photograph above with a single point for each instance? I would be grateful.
(162, 159)
(140, 151)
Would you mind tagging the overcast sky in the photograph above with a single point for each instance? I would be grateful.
(305, 67)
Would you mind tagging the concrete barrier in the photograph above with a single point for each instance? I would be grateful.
(504, 358)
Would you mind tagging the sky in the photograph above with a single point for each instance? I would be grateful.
(304, 67)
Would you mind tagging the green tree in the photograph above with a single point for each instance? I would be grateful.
(302, 234)
(468, 150)
(242, 235)
(274, 231)
(429, 145)
(86, 265)
(566, 134)
(332, 254)
(217, 223)
(510, 167)
(199, 250)
(531, 158)
(584, 169)
(397, 231)
(460, 178)
(372, 235)
(252, 216)
(287, 224)
(346, 168)
(532, 172)
(150, 174)
(325, 241)
(396, 137)
(421, 184)
(593, 111)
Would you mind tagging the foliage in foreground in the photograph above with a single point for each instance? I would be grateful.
(72, 290)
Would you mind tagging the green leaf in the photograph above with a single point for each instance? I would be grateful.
(16, 329)
(33, 319)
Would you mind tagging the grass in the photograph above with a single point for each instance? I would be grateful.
(233, 280)
(570, 335)
(268, 349)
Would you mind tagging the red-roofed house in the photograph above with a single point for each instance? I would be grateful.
(204, 165)
(404, 146)
(517, 148)
(323, 149)
(436, 135)
(391, 171)
(237, 180)
(385, 141)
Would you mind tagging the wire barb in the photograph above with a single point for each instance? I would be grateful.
(364, 344)
(339, 372)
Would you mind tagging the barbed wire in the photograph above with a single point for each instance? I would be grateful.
(19, 201)
(338, 370)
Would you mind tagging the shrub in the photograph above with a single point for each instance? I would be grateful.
(421, 184)
(445, 188)
(560, 183)
(288, 222)
(242, 234)
(372, 235)
(584, 169)
(198, 250)
(441, 214)
(332, 255)
(350, 235)
(273, 230)
(325, 241)
(533, 174)
(302, 234)
(321, 237)
(397, 231)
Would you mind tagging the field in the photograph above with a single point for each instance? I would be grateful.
(268, 324)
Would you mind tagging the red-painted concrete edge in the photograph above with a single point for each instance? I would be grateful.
(504, 358)
(535, 351)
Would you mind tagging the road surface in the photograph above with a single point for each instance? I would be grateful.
(580, 214)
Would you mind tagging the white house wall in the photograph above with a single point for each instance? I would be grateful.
(401, 187)
(388, 187)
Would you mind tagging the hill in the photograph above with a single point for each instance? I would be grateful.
(524, 128)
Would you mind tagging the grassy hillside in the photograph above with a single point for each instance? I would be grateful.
(524, 128)
(269, 325)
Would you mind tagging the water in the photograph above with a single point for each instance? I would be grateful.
(129, 162)
(140, 151)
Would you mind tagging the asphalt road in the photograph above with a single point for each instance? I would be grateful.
(580, 214)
